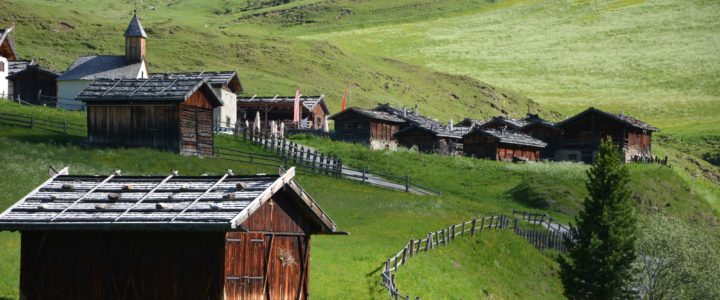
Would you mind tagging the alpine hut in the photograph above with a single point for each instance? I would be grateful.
(504, 145)
(34, 84)
(584, 131)
(423, 133)
(169, 114)
(373, 128)
(313, 110)
(543, 130)
(226, 85)
(166, 237)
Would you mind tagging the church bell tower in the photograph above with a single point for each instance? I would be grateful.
(135, 41)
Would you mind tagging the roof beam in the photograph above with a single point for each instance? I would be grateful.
(144, 197)
(138, 88)
(110, 89)
(167, 87)
(85, 195)
(200, 197)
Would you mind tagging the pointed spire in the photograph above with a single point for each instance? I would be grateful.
(135, 29)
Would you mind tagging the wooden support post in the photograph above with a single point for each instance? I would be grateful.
(452, 235)
(515, 225)
(314, 160)
(65, 126)
(407, 183)
(363, 175)
(491, 222)
(428, 245)
(472, 229)
(482, 224)
(444, 238)
(32, 121)
(404, 255)
(463, 229)
(395, 263)
(412, 246)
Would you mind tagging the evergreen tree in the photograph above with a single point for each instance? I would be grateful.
(601, 254)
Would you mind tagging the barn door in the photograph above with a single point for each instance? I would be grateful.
(287, 268)
(245, 265)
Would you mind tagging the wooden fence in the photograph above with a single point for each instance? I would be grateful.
(552, 237)
(317, 165)
(432, 241)
(32, 122)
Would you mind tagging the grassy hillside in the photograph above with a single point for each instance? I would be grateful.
(195, 35)
(342, 266)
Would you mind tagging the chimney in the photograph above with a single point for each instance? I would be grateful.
(404, 112)
(451, 124)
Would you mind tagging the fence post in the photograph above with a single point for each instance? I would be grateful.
(31, 121)
(363, 175)
(412, 246)
(444, 237)
(472, 229)
(339, 168)
(482, 224)
(453, 232)
(65, 126)
(428, 245)
(515, 226)
(321, 163)
(404, 256)
(313, 161)
(407, 183)
(463, 229)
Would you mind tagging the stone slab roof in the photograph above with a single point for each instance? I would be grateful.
(375, 115)
(144, 90)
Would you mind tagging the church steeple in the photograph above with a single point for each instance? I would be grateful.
(135, 41)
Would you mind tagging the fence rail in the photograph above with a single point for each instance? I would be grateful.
(33, 122)
(553, 237)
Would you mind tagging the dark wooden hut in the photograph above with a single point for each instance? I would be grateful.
(34, 84)
(502, 122)
(545, 131)
(584, 131)
(422, 132)
(169, 237)
(170, 114)
(373, 128)
(313, 110)
(504, 145)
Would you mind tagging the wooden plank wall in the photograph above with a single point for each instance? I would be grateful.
(153, 126)
(383, 131)
(425, 141)
(509, 151)
(28, 84)
(121, 265)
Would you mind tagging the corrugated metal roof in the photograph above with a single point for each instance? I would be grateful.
(143, 90)
(147, 203)
(135, 29)
(101, 66)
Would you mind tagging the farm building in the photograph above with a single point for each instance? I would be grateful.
(8, 55)
(419, 131)
(373, 128)
(226, 85)
(313, 110)
(88, 68)
(503, 123)
(169, 114)
(503, 145)
(167, 237)
(584, 131)
(34, 84)
(545, 131)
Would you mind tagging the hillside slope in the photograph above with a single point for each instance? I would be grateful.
(195, 35)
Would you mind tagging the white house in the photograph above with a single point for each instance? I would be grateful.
(7, 57)
(226, 84)
(88, 68)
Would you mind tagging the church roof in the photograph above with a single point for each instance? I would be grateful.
(101, 66)
(135, 29)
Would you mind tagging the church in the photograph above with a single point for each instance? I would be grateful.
(86, 69)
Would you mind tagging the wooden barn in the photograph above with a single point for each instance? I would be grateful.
(169, 114)
(584, 131)
(373, 128)
(545, 131)
(430, 139)
(8, 56)
(313, 110)
(226, 85)
(34, 84)
(166, 237)
(503, 145)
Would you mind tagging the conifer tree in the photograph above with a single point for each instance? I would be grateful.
(600, 256)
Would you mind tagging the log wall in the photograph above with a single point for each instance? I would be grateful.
(152, 126)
